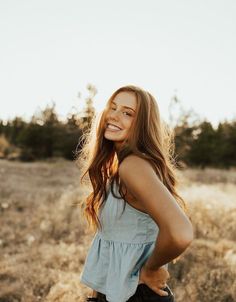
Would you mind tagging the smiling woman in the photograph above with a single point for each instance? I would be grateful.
(139, 218)
(119, 117)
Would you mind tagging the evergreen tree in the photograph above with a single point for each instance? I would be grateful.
(203, 146)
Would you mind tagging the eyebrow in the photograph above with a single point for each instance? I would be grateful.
(124, 106)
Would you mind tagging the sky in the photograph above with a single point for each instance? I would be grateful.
(51, 49)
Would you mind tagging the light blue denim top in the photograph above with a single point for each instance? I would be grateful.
(119, 250)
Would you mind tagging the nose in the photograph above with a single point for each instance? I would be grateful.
(114, 115)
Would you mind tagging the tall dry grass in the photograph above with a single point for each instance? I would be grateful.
(44, 238)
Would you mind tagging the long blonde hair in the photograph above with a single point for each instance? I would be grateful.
(149, 138)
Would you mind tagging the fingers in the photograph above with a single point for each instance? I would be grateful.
(163, 285)
(162, 292)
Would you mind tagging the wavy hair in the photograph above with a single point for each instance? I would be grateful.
(149, 138)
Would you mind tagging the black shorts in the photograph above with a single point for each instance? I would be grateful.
(145, 294)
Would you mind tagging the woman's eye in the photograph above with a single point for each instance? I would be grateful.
(127, 113)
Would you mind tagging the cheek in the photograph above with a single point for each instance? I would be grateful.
(128, 124)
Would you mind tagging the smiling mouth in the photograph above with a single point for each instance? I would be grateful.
(113, 127)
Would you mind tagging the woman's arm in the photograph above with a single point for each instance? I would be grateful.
(175, 229)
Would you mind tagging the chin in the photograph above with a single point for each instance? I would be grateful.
(112, 137)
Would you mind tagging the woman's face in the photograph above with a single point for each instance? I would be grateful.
(119, 117)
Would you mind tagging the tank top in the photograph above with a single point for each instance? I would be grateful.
(119, 250)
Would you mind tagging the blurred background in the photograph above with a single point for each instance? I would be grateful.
(60, 62)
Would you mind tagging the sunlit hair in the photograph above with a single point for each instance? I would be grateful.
(149, 138)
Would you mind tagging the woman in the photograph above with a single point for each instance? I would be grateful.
(139, 218)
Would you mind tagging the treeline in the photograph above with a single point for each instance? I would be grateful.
(202, 145)
(40, 138)
(46, 136)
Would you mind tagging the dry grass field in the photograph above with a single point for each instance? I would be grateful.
(44, 238)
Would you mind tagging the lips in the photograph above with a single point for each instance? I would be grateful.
(113, 127)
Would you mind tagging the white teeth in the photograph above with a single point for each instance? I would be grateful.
(113, 127)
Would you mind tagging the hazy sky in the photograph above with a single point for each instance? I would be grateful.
(51, 49)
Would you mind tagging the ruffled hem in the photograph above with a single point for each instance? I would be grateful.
(113, 268)
(92, 285)
(110, 298)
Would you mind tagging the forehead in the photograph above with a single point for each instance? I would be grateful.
(125, 98)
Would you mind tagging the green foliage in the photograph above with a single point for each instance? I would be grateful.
(68, 136)
(46, 136)
(12, 129)
(198, 143)
(226, 144)
(201, 145)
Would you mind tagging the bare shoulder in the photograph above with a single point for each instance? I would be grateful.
(142, 182)
(135, 166)
(133, 161)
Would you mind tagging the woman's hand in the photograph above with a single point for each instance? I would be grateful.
(155, 279)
